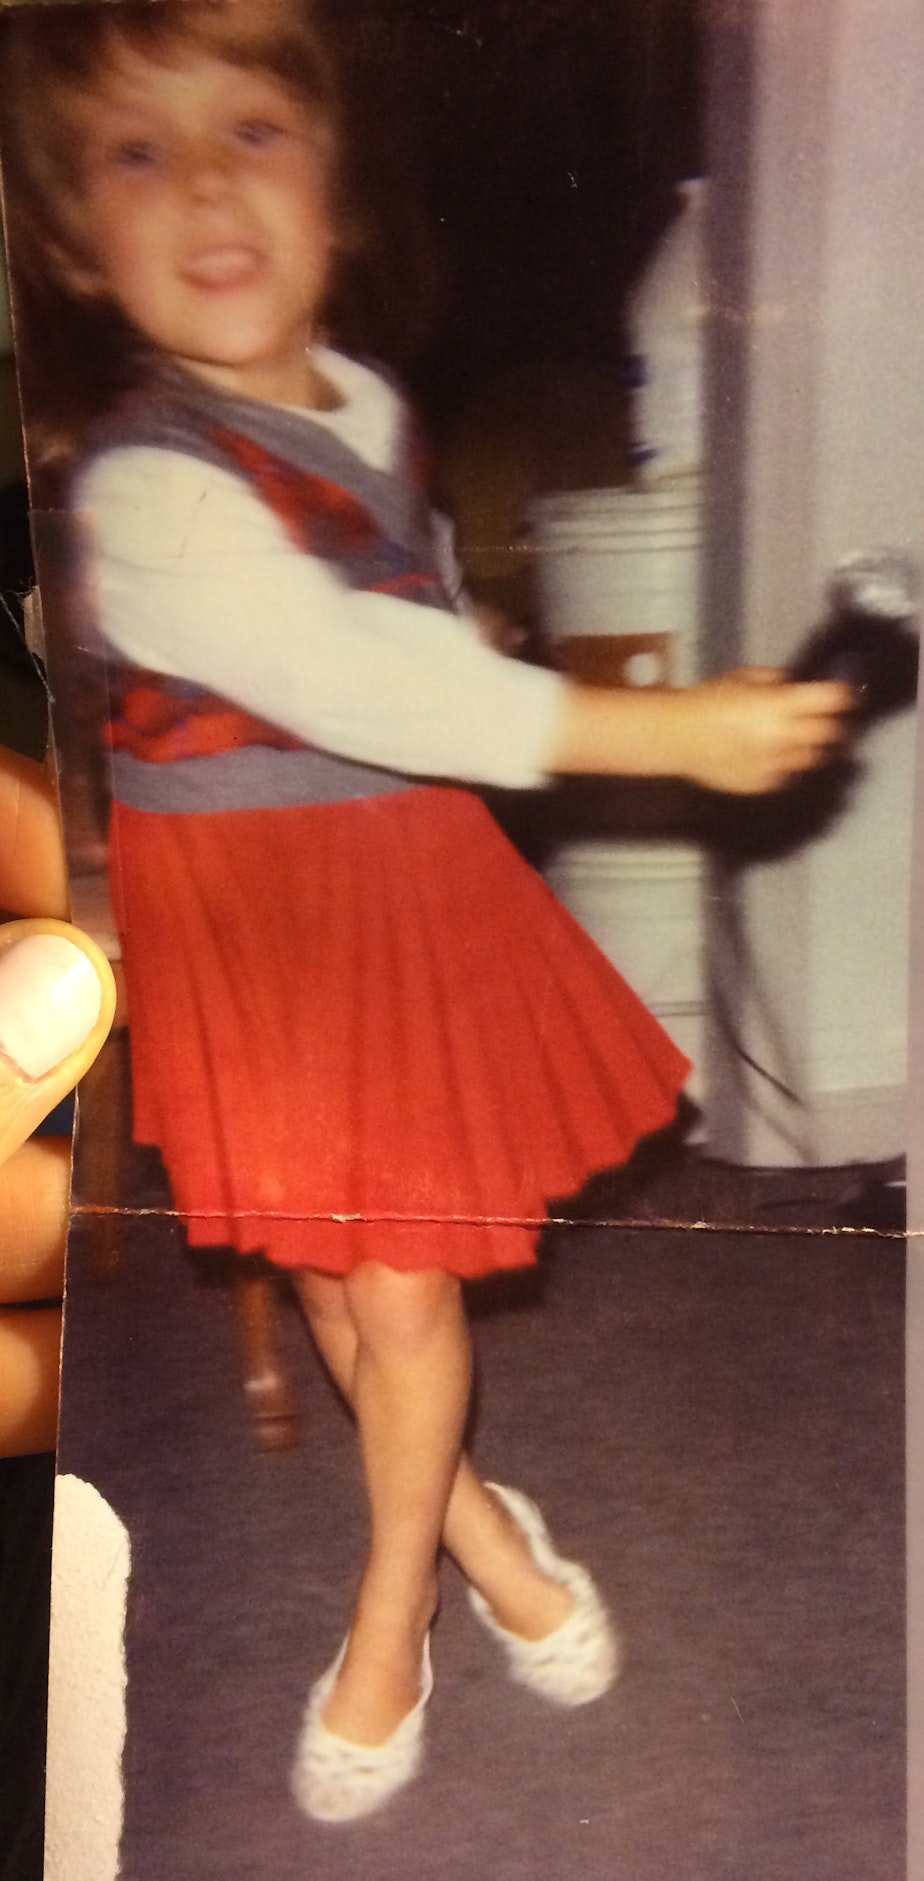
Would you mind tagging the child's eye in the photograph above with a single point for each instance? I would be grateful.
(134, 153)
(258, 132)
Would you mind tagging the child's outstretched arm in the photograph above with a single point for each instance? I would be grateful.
(193, 576)
(746, 732)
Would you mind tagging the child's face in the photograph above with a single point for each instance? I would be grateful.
(206, 215)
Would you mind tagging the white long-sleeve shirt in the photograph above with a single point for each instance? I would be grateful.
(196, 578)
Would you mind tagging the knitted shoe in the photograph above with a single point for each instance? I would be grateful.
(577, 1662)
(336, 1781)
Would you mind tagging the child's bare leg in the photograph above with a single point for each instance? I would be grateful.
(495, 1557)
(488, 1546)
(410, 1384)
(324, 1299)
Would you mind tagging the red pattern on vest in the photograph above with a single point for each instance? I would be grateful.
(163, 722)
(163, 727)
(317, 515)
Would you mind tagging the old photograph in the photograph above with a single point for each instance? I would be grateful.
(476, 469)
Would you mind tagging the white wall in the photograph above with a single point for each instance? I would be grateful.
(816, 436)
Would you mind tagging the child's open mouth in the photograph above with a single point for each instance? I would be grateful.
(229, 266)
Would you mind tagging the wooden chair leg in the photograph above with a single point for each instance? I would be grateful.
(267, 1389)
(106, 1103)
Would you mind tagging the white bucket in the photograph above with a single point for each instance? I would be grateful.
(642, 904)
(618, 577)
(623, 566)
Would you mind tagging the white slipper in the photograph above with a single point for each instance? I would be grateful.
(336, 1781)
(577, 1662)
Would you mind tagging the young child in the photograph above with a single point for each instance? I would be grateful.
(366, 1038)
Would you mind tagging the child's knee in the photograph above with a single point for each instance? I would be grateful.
(323, 1297)
(401, 1310)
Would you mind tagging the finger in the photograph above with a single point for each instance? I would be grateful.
(30, 1345)
(809, 755)
(759, 675)
(57, 999)
(806, 746)
(34, 1190)
(32, 868)
(822, 734)
(827, 736)
(33, 1230)
(824, 698)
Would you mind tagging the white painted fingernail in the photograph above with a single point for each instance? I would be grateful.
(50, 999)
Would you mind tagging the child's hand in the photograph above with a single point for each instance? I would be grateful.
(752, 731)
(748, 732)
(56, 1005)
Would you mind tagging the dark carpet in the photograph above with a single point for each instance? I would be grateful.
(713, 1421)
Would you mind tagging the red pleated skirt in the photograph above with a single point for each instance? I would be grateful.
(369, 1031)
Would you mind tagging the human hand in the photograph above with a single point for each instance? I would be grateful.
(751, 731)
(57, 999)
(746, 733)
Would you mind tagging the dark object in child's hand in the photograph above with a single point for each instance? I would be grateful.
(868, 639)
